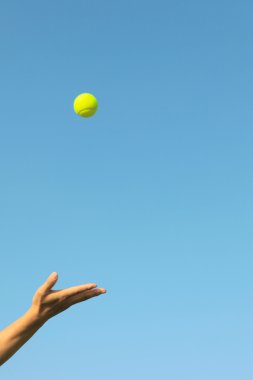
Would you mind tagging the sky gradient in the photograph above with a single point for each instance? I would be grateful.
(150, 199)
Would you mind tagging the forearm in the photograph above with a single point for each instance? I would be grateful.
(13, 337)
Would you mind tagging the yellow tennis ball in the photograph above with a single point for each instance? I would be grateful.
(85, 105)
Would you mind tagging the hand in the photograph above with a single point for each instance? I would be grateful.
(47, 303)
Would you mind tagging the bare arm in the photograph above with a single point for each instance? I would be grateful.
(46, 304)
(16, 335)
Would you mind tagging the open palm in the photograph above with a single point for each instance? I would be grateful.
(47, 303)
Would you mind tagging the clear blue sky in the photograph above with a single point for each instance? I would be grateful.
(151, 198)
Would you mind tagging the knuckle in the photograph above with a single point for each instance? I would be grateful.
(40, 292)
(63, 299)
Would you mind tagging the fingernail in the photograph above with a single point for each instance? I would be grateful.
(100, 291)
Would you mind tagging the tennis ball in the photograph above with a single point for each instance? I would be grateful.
(85, 105)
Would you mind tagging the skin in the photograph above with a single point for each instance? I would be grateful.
(46, 303)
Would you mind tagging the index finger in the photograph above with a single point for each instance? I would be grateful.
(75, 290)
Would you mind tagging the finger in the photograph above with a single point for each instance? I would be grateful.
(86, 295)
(49, 283)
(69, 302)
(70, 292)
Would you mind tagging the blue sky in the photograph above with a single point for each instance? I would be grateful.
(151, 198)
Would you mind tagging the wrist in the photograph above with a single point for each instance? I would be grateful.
(35, 320)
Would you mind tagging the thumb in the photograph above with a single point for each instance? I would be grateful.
(50, 282)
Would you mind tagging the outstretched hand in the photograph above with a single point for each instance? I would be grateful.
(47, 303)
